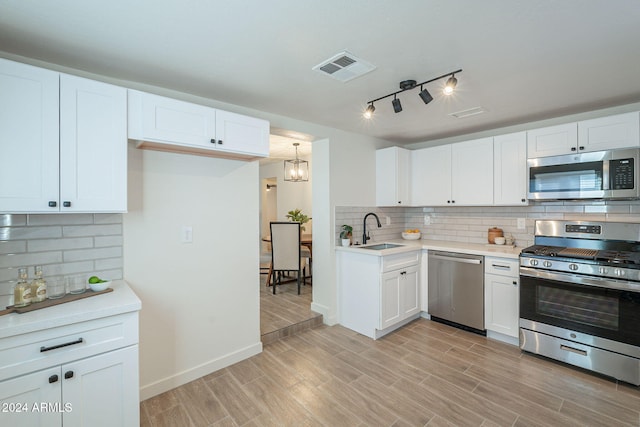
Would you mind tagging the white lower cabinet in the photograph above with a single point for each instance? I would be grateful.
(378, 294)
(82, 374)
(501, 298)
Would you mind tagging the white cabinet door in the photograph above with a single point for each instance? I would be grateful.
(552, 140)
(103, 389)
(33, 399)
(501, 304)
(410, 291)
(29, 130)
(472, 172)
(431, 176)
(236, 133)
(605, 133)
(390, 299)
(510, 169)
(159, 119)
(392, 176)
(93, 146)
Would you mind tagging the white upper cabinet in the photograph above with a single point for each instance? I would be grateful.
(604, 133)
(455, 174)
(552, 141)
(431, 176)
(29, 128)
(166, 124)
(510, 169)
(93, 146)
(393, 171)
(64, 142)
(472, 172)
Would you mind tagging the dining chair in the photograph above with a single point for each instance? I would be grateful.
(286, 251)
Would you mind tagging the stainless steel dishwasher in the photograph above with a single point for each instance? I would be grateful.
(456, 289)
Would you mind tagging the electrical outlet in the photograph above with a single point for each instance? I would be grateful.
(187, 234)
(521, 224)
(388, 220)
(427, 220)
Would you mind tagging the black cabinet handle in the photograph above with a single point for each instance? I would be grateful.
(213, 141)
(515, 283)
(68, 374)
(53, 379)
(53, 204)
(399, 202)
(448, 201)
(573, 148)
(220, 141)
(66, 204)
(53, 347)
(582, 148)
(523, 200)
(453, 201)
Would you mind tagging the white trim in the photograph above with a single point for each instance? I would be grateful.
(196, 372)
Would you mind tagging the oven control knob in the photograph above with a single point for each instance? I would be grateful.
(618, 272)
(573, 267)
(533, 262)
(603, 270)
(547, 263)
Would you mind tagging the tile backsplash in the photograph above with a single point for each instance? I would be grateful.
(470, 224)
(64, 244)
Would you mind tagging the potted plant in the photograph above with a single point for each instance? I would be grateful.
(345, 235)
(297, 216)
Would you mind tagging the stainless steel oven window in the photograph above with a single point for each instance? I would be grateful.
(582, 307)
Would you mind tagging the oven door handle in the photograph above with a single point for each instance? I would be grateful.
(599, 282)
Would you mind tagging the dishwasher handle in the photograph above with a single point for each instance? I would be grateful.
(476, 261)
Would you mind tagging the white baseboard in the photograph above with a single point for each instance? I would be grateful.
(324, 310)
(180, 378)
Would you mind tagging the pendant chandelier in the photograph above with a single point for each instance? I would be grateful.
(296, 170)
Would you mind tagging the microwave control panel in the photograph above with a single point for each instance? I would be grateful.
(621, 174)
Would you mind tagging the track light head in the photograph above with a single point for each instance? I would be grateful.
(368, 113)
(450, 85)
(425, 95)
(397, 107)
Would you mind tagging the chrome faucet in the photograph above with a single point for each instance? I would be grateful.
(365, 237)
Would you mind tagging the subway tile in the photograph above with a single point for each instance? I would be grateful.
(113, 218)
(13, 220)
(68, 268)
(92, 230)
(111, 274)
(41, 245)
(59, 219)
(108, 264)
(87, 254)
(40, 258)
(22, 233)
(102, 241)
(13, 246)
(9, 274)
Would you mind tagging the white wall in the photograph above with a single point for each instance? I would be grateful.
(200, 300)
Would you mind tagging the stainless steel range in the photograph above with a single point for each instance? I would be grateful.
(580, 296)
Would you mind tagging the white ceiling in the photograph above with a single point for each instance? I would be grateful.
(523, 60)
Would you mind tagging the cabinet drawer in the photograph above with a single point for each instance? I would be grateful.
(502, 266)
(396, 261)
(25, 353)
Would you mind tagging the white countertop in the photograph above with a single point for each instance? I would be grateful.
(501, 251)
(121, 300)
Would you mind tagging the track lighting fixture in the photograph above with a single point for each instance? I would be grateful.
(397, 107)
(411, 84)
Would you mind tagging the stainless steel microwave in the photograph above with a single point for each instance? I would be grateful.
(611, 174)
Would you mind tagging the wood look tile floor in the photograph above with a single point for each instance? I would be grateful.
(423, 374)
(286, 307)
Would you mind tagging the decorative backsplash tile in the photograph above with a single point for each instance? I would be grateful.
(64, 244)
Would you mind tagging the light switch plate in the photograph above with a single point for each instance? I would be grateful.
(427, 220)
(522, 224)
(388, 220)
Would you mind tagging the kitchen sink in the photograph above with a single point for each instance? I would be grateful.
(381, 246)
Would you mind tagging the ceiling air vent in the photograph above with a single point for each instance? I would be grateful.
(344, 67)
(467, 113)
